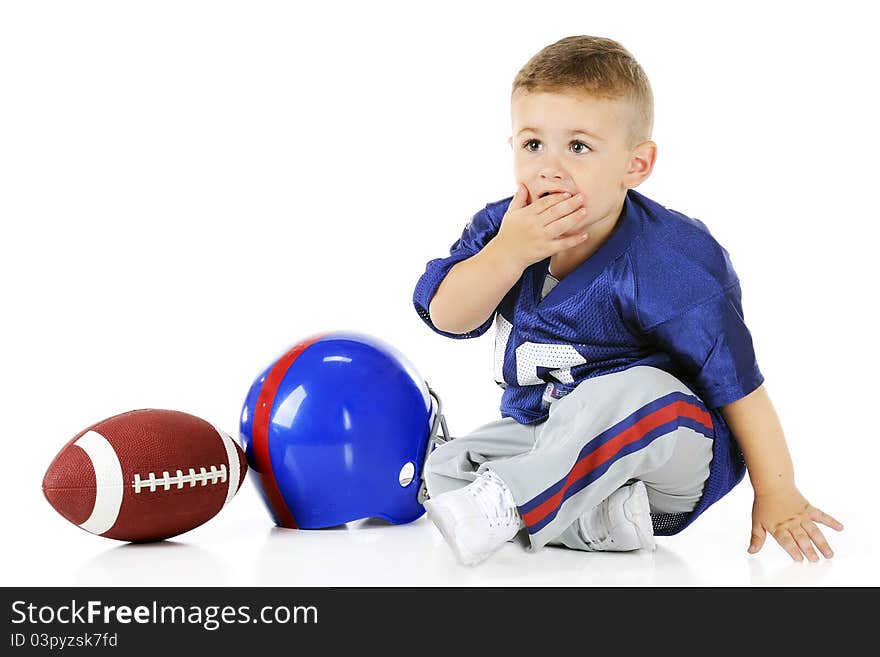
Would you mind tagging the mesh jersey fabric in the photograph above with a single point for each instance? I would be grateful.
(661, 292)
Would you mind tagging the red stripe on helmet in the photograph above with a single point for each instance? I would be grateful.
(262, 412)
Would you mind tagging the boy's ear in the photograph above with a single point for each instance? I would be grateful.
(510, 141)
(641, 163)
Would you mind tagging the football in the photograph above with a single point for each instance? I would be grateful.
(145, 475)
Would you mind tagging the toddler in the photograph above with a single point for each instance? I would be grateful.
(632, 396)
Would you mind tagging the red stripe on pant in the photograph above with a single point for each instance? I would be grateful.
(612, 447)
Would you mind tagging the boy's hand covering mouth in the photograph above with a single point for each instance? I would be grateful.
(530, 232)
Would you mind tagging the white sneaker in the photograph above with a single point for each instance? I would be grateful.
(621, 522)
(476, 520)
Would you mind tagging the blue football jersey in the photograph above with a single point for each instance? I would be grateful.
(661, 292)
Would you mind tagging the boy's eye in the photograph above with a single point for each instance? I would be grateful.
(577, 147)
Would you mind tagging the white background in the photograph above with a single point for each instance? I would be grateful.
(187, 188)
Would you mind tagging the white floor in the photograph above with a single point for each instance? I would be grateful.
(162, 235)
(240, 547)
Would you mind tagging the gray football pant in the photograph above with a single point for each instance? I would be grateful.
(541, 463)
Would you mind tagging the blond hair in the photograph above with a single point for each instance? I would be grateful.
(596, 66)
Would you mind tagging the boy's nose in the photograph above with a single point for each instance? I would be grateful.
(550, 168)
(551, 172)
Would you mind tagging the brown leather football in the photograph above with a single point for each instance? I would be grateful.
(145, 475)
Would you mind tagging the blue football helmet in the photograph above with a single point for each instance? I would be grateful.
(338, 428)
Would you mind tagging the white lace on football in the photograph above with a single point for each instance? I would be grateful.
(166, 481)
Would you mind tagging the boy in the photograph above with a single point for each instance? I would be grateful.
(632, 398)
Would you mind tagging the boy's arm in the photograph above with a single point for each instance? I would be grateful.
(779, 508)
(529, 232)
(472, 290)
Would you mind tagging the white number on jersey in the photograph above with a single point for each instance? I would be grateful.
(559, 358)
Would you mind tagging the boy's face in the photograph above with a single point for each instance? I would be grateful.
(573, 142)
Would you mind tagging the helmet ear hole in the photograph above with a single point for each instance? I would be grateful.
(407, 472)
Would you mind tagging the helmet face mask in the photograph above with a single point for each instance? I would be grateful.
(438, 424)
(337, 429)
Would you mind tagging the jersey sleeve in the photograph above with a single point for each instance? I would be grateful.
(482, 227)
(713, 344)
(691, 309)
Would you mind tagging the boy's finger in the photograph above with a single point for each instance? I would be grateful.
(825, 519)
(758, 537)
(804, 543)
(561, 209)
(786, 540)
(818, 538)
(564, 242)
(566, 224)
(541, 204)
(521, 197)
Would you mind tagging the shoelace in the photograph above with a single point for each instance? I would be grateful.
(495, 500)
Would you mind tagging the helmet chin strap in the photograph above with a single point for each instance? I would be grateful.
(438, 423)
